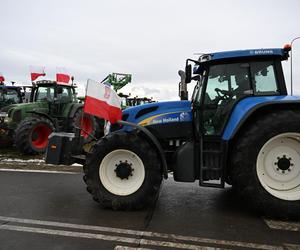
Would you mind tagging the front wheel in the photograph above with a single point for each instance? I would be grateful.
(31, 136)
(266, 164)
(123, 172)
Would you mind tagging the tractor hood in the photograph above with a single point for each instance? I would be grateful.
(159, 113)
(25, 107)
(15, 113)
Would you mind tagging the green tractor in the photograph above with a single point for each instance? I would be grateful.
(52, 107)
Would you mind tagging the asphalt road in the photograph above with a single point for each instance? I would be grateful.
(53, 211)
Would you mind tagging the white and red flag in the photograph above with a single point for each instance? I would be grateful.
(36, 72)
(62, 75)
(2, 79)
(102, 101)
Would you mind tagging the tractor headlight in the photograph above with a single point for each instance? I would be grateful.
(107, 128)
(7, 119)
(3, 116)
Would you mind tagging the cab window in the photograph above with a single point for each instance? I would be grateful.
(44, 94)
(263, 78)
(226, 84)
(13, 96)
(66, 95)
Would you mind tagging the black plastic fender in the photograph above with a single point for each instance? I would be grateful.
(74, 109)
(46, 116)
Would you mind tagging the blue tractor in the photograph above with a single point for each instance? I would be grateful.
(240, 128)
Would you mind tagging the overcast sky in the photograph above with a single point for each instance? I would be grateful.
(150, 39)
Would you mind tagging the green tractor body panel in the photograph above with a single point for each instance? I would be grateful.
(19, 112)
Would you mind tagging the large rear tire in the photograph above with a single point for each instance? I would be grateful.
(266, 164)
(31, 136)
(123, 172)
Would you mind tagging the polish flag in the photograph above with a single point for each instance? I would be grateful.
(102, 101)
(62, 76)
(2, 79)
(36, 72)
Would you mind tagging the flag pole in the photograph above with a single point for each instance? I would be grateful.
(82, 114)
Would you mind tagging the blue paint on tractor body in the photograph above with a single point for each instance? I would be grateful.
(249, 103)
(166, 112)
(248, 53)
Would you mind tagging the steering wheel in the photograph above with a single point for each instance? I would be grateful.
(223, 94)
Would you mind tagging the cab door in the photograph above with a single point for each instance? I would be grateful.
(224, 86)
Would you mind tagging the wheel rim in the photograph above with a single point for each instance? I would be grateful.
(278, 166)
(87, 126)
(122, 172)
(39, 136)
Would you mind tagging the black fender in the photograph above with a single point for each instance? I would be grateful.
(75, 107)
(155, 142)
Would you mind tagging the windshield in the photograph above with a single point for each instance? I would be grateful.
(44, 94)
(66, 95)
(9, 96)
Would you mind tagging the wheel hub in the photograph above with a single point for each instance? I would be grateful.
(284, 164)
(124, 170)
(119, 164)
(35, 135)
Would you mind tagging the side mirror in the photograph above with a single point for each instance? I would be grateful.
(188, 73)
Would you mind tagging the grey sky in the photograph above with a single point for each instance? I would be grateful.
(150, 39)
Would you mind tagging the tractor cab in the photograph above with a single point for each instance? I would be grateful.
(10, 95)
(224, 82)
(57, 96)
(52, 92)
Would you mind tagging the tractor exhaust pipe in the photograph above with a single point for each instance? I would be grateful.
(183, 93)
